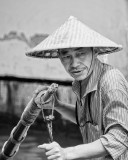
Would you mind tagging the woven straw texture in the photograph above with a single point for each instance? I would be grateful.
(71, 34)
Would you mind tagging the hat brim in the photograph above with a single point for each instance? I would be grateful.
(53, 53)
(73, 34)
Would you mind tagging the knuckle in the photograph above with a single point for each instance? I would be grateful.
(46, 153)
(57, 149)
(58, 155)
(55, 143)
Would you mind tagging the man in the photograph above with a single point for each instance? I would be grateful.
(101, 109)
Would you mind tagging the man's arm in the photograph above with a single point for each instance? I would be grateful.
(83, 151)
(86, 151)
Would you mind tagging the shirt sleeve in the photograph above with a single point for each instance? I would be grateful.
(115, 122)
(115, 142)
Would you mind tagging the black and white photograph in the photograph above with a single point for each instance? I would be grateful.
(63, 80)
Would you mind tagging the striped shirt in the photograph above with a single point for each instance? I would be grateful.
(102, 110)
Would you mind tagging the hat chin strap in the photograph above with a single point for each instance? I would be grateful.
(91, 64)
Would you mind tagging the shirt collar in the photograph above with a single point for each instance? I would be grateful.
(92, 82)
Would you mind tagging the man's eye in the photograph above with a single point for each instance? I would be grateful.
(66, 57)
(80, 54)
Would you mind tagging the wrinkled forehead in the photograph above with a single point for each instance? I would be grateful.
(79, 49)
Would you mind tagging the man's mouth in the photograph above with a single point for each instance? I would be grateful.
(76, 72)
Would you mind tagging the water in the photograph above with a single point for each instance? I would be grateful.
(28, 149)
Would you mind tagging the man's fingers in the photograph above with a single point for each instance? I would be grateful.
(54, 157)
(55, 150)
(51, 152)
(48, 146)
(39, 89)
(44, 146)
(38, 92)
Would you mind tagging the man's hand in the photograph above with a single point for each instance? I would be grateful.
(53, 151)
(38, 96)
(38, 93)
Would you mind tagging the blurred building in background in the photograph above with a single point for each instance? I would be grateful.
(26, 23)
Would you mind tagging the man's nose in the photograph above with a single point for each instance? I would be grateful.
(74, 62)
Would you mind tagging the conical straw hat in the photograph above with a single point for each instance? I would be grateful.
(71, 34)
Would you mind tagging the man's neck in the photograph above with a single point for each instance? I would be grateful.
(83, 84)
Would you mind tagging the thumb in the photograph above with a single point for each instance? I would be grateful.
(42, 146)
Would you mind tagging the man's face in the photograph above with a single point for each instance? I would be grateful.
(76, 61)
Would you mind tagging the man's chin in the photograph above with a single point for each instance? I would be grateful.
(79, 78)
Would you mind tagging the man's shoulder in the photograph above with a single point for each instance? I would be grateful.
(111, 73)
(112, 78)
